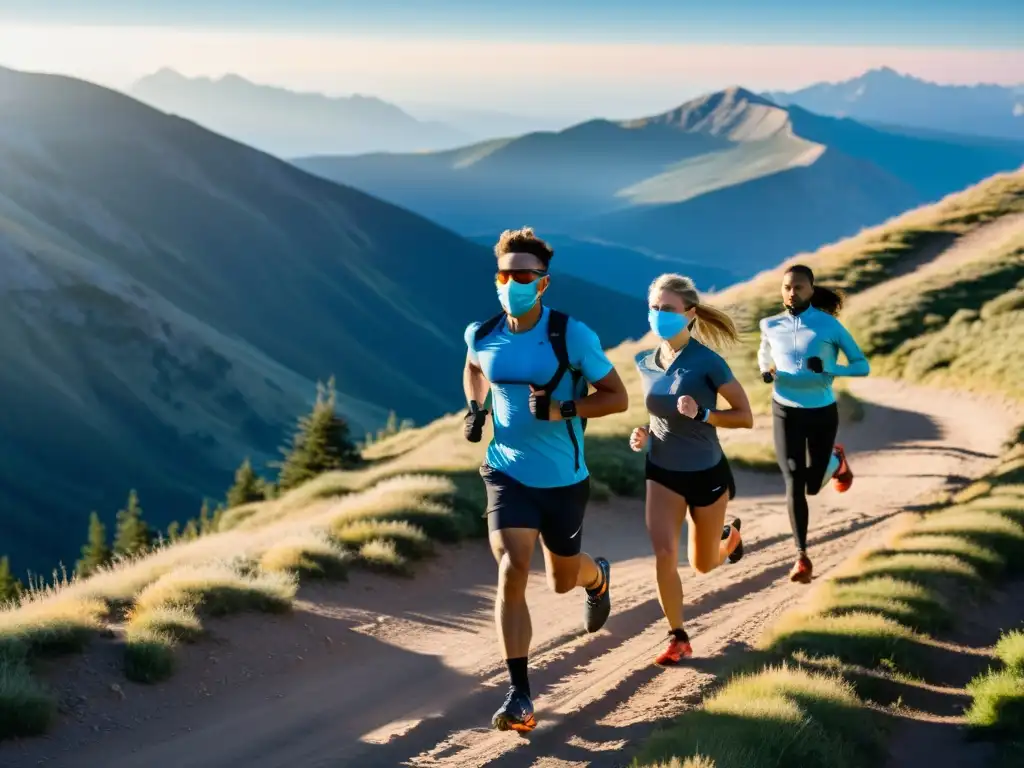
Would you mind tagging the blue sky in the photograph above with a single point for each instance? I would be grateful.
(960, 23)
(576, 58)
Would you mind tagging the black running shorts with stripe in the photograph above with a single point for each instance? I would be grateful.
(556, 512)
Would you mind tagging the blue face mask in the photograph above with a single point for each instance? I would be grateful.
(666, 325)
(517, 298)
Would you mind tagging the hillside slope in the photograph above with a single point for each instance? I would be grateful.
(730, 180)
(170, 297)
(886, 96)
(288, 123)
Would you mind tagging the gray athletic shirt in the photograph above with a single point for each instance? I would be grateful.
(679, 443)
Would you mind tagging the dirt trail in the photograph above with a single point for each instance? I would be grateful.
(386, 672)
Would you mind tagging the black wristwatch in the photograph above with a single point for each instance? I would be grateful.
(568, 409)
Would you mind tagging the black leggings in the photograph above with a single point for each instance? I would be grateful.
(799, 433)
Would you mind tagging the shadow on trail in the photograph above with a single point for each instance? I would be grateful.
(946, 449)
(912, 426)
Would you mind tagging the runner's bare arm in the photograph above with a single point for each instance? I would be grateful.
(474, 383)
(609, 397)
(738, 415)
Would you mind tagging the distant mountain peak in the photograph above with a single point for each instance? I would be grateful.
(734, 112)
(164, 74)
(232, 78)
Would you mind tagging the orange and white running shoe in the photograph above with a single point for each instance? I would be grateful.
(802, 570)
(843, 477)
(678, 649)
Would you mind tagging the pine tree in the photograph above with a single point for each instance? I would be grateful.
(390, 427)
(321, 443)
(218, 515)
(173, 531)
(204, 518)
(133, 535)
(191, 531)
(95, 552)
(10, 587)
(248, 486)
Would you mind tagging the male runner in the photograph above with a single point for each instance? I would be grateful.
(537, 364)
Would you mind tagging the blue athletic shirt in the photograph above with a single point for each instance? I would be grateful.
(536, 453)
(786, 343)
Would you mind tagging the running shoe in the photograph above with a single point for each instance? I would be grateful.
(843, 477)
(599, 602)
(516, 713)
(678, 649)
(802, 570)
(736, 555)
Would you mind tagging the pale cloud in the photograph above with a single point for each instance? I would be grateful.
(616, 76)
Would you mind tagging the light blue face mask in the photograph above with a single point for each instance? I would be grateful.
(666, 325)
(517, 298)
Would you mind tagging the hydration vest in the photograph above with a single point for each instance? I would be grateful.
(558, 322)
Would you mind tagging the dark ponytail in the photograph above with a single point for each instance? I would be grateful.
(825, 299)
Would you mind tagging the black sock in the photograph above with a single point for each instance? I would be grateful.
(680, 635)
(517, 674)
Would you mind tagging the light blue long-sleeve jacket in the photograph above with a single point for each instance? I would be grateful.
(787, 341)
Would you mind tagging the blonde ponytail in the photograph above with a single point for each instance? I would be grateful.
(714, 327)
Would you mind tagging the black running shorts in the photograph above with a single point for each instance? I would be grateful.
(701, 488)
(556, 512)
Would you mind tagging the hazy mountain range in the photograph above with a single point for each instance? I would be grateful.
(729, 180)
(887, 97)
(288, 123)
(170, 296)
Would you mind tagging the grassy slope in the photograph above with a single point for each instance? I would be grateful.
(171, 295)
(997, 700)
(958, 326)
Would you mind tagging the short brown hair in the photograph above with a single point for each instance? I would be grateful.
(523, 241)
